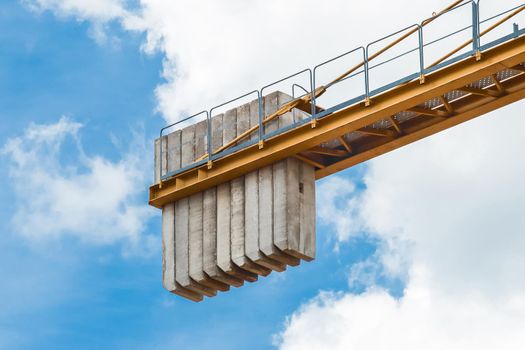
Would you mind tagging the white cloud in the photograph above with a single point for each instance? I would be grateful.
(91, 10)
(458, 197)
(453, 205)
(423, 318)
(89, 197)
(339, 206)
(216, 50)
(98, 12)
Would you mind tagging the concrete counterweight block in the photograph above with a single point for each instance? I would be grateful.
(170, 161)
(210, 214)
(168, 256)
(239, 231)
(252, 240)
(225, 213)
(267, 176)
(307, 242)
(196, 249)
(196, 228)
(182, 271)
(209, 218)
(247, 227)
(251, 200)
(294, 217)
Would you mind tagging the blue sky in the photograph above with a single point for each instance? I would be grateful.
(85, 86)
(63, 293)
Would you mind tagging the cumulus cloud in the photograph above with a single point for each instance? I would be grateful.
(452, 204)
(98, 12)
(423, 318)
(216, 50)
(62, 191)
(94, 10)
(339, 207)
(459, 197)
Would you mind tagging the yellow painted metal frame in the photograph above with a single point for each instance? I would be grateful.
(401, 98)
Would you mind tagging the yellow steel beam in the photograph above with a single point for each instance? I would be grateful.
(309, 161)
(433, 127)
(376, 132)
(481, 92)
(328, 151)
(497, 83)
(429, 112)
(345, 144)
(395, 124)
(344, 121)
(447, 105)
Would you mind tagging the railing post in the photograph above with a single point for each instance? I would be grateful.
(475, 31)
(421, 55)
(210, 150)
(160, 158)
(261, 116)
(367, 77)
(312, 91)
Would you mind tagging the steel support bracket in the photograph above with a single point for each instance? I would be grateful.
(478, 55)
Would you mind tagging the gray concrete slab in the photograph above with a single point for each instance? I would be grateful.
(210, 263)
(252, 228)
(173, 159)
(182, 275)
(224, 210)
(307, 244)
(156, 170)
(254, 118)
(287, 118)
(267, 177)
(237, 198)
(270, 103)
(187, 145)
(168, 246)
(196, 231)
(294, 214)
(182, 223)
(216, 131)
(170, 162)
(158, 155)
(251, 193)
(286, 229)
(168, 256)
(224, 260)
(238, 208)
(210, 223)
(286, 206)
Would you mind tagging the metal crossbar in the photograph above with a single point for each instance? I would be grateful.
(310, 96)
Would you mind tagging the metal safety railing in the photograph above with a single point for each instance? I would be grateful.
(363, 69)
